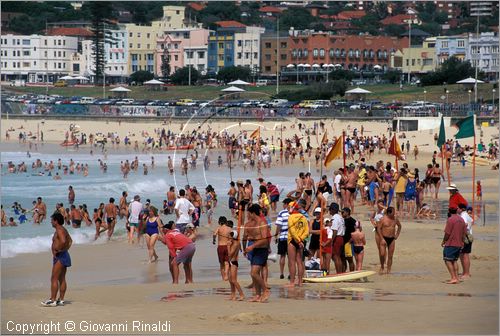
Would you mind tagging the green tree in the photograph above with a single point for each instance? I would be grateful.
(451, 71)
(102, 13)
(381, 10)
(394, 30)
(181, 76)
(219, 11)
(229, 74)
(393, 76)
(165, 65)
(368, 23)
(298, 18)
(141, 76)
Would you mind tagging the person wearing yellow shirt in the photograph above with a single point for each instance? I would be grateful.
(361, 182)
(298, 231)
(400, 188)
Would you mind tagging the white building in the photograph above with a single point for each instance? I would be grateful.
(484, 52)
(247, 48)
(36, 58)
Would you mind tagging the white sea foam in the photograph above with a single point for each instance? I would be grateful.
(12, 247)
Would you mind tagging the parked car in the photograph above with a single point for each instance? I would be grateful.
(87, 100)
(126, 101)
(60, 83)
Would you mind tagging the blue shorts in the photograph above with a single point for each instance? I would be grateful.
(259, 256)
(275, 198)
(451, 253)
(372, 187)
(410, 197)
(63, 257)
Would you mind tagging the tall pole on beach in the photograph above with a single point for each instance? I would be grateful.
(474, 174)
(343, 149)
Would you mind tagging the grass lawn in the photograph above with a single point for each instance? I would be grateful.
(384, 92)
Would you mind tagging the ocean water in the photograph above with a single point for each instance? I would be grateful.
(98, 187)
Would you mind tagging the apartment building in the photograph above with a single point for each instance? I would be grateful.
(269, 58)
(483, 52)
(420, 59)
(36, 58)
(141, 42)
(448, 46)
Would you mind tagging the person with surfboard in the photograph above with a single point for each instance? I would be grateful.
(388, 229)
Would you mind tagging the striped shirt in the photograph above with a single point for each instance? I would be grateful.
(282, 222)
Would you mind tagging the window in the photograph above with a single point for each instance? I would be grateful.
(267, 68)
(177, 12)
(239, 43)
(140, 57)
(299, 53)
(331, 52)
(201, 54)
(221, 45)
(148, 46)
(64, 54)
(305, 52)
(59, 53)
(64, 42)
(26, 64)
(138, 46)
(134, 68)
(407, 62)
(134, 57)
(445, 44)
(350, 53)
(315, 52)
(238, 55)
(58, 42)
(427, 62)
(357, 53)
(229, 46)
(55, 54)
(268, 57)
(139, 35)
(412, 62)
(45, 42)
(294, 53)
(255, 55)
(268, 45)
(130, 45)
(461, 43)
(221, 57)
(148, 35)
(26, 52)
(26, 42)
(187, 35)
(229, 58)
(283, 57)
(247, 55)
(176, 57)
(189, 54)
(384, 54)
(322, 52)
(366, 54)
(283, 45)
(59, 65)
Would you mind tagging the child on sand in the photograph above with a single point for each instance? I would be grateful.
(359, 241)
(233, 246)
(221, 237)
(326, 245)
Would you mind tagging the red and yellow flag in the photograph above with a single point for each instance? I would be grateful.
(395, 148)
(335, 152)
(255, 134)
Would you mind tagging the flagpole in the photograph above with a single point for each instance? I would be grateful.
(343, 150)
(321, 263)
(442, 164)
(474, 175)
(281, 145)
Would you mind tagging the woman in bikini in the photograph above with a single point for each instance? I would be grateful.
(436, 179)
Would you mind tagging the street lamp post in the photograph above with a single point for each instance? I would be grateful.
(425, 96)
(470, 91)
(447, 101)
(493, 97)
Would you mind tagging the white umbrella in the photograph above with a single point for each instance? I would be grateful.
(232, 89)
(120, 89)
(376, 66)
(153, 82)
(358, 90)
(66, 78)
(331, 65)
(315, 65)
(300, 65)
(290, 66)
(80, 78)
(338, 65)
(238, 82)
(307, 65)
(469, 80)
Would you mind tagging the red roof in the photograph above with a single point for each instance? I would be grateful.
(348, 15)
(339, 25)
(270, 9)
(63, 31)
(230, 24)
(196, 6)
(396, 19)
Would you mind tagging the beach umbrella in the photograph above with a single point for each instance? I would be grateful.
(376, 66)
(358, 93)
(120, 91)
(290, 66)
(315, 65)
(300, 65)
(338, 65)
(306, 65)
(238, 82)
(232, 89)
(153, 82)
(66, 77)
(469, 80)
(80, 78)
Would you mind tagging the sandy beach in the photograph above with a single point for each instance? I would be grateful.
(112, 283)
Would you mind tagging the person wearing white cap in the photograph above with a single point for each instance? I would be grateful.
(455, 197)
(135, 210)
(315, 231)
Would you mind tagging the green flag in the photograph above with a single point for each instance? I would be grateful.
(442, 134)
(465, 128)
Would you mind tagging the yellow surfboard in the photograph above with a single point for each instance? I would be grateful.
(356, 275)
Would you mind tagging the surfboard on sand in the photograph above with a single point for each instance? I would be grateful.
(356, 275)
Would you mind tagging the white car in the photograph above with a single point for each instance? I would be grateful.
(127, 101)
(355, 107)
